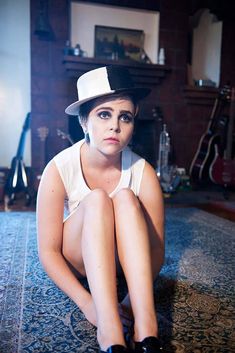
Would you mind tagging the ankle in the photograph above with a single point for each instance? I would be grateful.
(145, 328)
(108, 335)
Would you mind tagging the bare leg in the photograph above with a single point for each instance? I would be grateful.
(135, 258)
(98, 255)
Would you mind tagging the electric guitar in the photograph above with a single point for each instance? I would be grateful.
(17, 179)
(199, 169)
(222, 170)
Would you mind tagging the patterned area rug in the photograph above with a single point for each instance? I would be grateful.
(194, 292)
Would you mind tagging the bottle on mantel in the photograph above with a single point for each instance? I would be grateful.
(161, 57)
(163, 154)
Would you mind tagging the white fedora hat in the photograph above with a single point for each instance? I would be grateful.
(104, 81)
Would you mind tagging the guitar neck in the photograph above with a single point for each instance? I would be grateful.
(42, 134)
(65, 136)
(20, 149)
(219, 104)
(213, 114)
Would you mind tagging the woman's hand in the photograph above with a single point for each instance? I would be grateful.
(89, 311)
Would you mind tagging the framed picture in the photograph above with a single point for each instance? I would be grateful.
(115, 43)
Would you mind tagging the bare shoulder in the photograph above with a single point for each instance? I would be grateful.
(51, 179)
(150, 186)
(51, 188)
(50, 170)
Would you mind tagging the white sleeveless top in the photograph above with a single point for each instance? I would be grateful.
(68, 163)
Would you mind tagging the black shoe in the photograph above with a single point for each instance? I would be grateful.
(117, 348)
(148, 345)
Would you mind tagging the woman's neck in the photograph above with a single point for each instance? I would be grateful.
(96, 159)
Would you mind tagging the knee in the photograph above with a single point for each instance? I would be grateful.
(126, 198)
(97, 200)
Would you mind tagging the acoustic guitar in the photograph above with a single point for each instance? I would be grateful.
(42, 133)
(222, 170)
(214, 135)
(17, 179)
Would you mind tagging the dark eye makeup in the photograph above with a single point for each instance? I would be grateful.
(104, 114)
(125, 117)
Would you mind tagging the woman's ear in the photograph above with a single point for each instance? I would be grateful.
(84, 127)
(137, 110)
(85, 131)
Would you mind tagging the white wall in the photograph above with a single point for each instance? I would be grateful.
(14, 77)
(207, 39)
(84, 17)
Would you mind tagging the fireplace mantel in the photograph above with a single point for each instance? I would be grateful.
(200, 95)
(143, 74)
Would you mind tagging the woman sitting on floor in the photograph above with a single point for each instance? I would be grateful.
(116, 217)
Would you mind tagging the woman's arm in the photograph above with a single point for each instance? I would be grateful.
(152, 203)
(50, 211)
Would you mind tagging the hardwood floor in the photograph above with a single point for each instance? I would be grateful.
(19, 204)
(212, 200)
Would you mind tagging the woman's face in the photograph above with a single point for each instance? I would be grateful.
(110, 125)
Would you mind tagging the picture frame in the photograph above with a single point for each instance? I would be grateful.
(116, 43)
